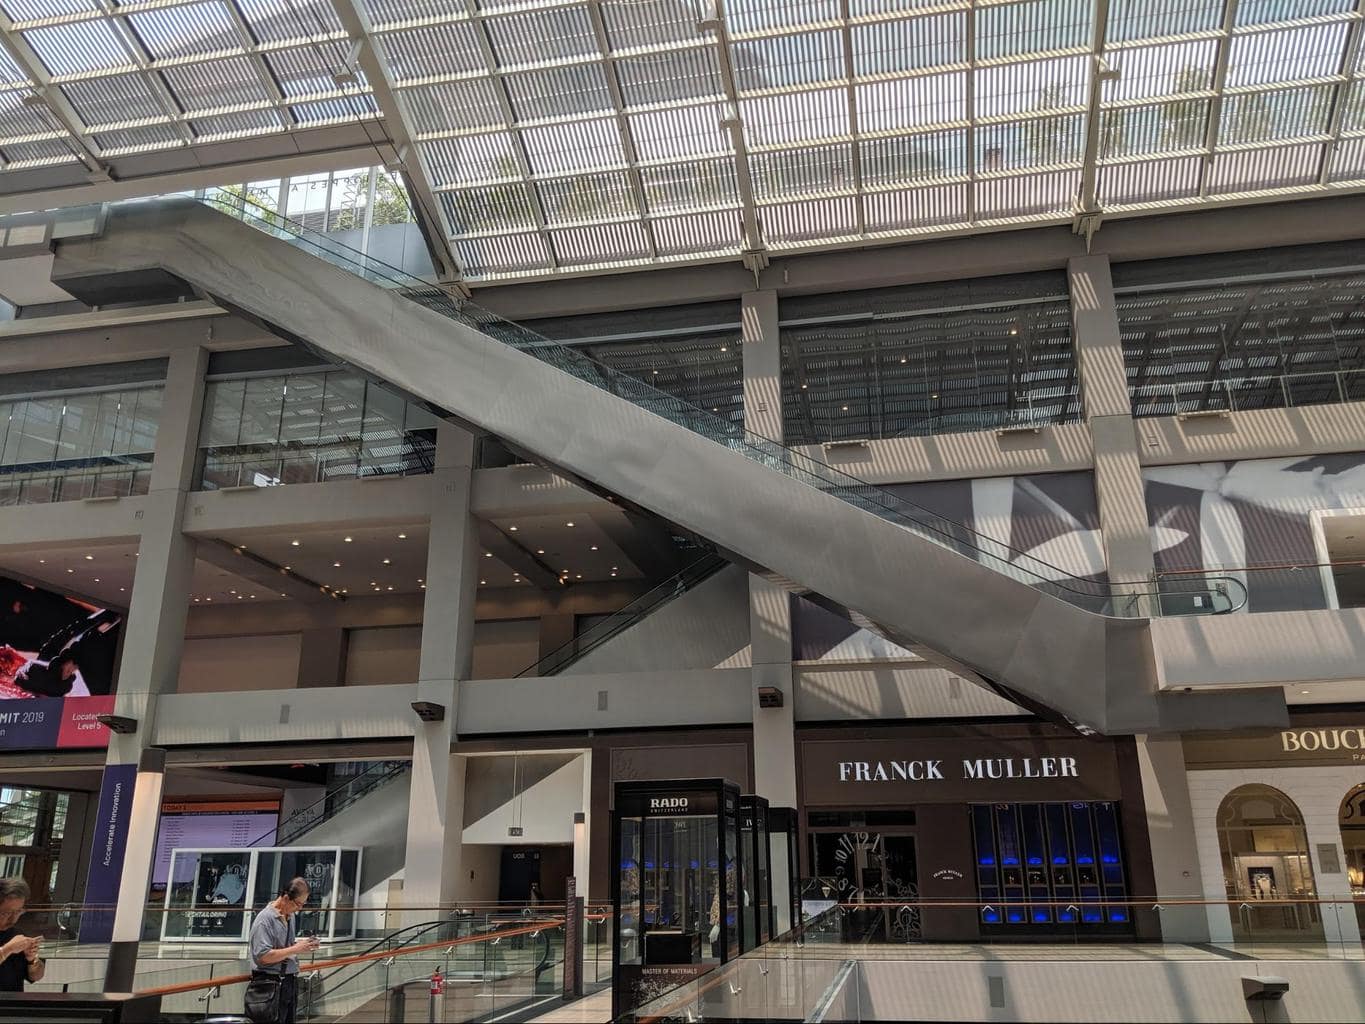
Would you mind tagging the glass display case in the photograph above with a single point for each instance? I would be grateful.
(783, 854)
(674, 884)
(212, 895)
(755, 874)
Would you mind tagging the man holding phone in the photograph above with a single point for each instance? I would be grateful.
(275, 949)
(19, 959)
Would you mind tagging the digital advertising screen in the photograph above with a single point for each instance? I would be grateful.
(57, 662)
(211, 825)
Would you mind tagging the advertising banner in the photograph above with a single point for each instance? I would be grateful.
(106, 856)
(57, 657)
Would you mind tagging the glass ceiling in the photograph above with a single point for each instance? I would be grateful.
(562, 135)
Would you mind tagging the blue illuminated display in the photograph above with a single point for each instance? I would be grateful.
(1040, 916)
(988, 861)
(1059, 860)
(1011, 860)
(1015, 917)
(1035, 860)
(1085, 860)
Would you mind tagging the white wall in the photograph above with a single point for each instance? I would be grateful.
(504, 648)
(1318, 792)
(480, 868)
(857, 693)
(377, 656)
(219, 664)
(544, 810)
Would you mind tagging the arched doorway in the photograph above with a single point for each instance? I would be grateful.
(1351, 818)
(1267, 873)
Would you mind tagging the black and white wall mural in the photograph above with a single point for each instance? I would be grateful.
(1252, 520)
(1049, 522)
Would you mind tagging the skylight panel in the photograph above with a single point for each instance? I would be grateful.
(1348, 163)
(1280, 114)
(448, 49)
(1033, 194)
(1258, 12)
(207, 85)
(906, 158)
(191, 30)
(559, 92)
(864, 8)
(534, 36)
(139, 140)
(332, 111)
(502, 255)
(389, 12)
(1038, 142)
(1149, 19)
(785, 61)
(490, 208)
(310, 70)
(603, 243)
(454, 106)
(690, 186)
(1158, 128)
(1286, 56)
(1036, 26)
(912, 103)
(766, 15)
(18, 118)
(1151, 71)
(806, 170)
(1149, 181)
(818, 219)
(34, 10)
(890, 47)
(10, 72)
(1353, 107)
(586, 198)
(1253, 170)
(470, 158)
(39, 153)
(273, 21)
(582, 146)
(682, 133)
(237, 124)
(112, 99)
(1034, 86)
(698, 233)
(75, 48)
(639, 23)
(668, 76)
(783, 119)
(918, 208)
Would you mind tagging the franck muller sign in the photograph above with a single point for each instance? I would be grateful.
(939, 769)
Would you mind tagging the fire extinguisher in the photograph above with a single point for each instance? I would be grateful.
(438, 983)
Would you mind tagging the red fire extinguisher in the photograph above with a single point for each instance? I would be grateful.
(438, 983)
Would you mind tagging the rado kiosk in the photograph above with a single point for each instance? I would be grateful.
(755, 874)
(674, 883)
(786, 873)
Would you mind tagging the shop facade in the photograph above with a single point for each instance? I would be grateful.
(1280, 826)
(962, 832)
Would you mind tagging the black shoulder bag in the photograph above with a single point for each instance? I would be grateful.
(263, 997)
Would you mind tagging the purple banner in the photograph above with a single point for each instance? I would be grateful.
(106, 856)
(31, 724)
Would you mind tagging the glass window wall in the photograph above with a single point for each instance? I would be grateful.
(309, 428)
(1267, 872)
(920, 361)
(1254, 343)
(74, 445)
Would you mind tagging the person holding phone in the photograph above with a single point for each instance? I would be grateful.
(19, 959)
(275, 950)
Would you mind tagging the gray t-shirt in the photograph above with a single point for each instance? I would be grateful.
(271, 931)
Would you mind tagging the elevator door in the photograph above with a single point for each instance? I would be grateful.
(874, 877)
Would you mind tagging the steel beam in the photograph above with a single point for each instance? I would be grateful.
(1220, 77)
(1342, 91)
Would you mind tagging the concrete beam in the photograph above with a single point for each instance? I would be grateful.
(72, 523)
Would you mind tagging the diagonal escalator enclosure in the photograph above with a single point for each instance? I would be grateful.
(925, 582)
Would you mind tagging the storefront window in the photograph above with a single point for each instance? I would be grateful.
(1266, 870)
(1352, 820)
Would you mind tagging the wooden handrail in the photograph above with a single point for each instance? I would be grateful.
(346, 961)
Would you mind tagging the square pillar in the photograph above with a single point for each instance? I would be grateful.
(154, 634)
(432, 864)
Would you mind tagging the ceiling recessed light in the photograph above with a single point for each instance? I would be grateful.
(388, 561)
(346, 539)
(613, 568)
(1303, 691)
(42, 561)
(804, 386)
(71, 570)
(613, 574)
(89, 558)
(483, 583)
(97, 579)
(568, 524)
(122, 589)
(232, 591)
(239, 597)
(402, 536)
(293, 543)
(593, 548)
(513, 529)
(336, 565)
(390, 588)
(288, 568)
(844, 408)
(724, 349)
(579, 576)
(252, 596)
(488, 554)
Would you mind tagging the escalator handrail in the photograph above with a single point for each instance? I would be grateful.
(571, 651)
(892, 507)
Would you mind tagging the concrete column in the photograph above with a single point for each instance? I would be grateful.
(769, 605)
(1109, 413)
(322, 657)
(1170, 829)
(432, 866)
(153, 637)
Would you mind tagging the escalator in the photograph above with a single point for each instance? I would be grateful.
(1071, 648)
(295, 828)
